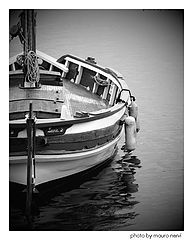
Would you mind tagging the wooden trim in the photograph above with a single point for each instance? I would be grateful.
(80, 71)
(42, 99)
(93, 67)
(59, 122)
(95, 88)
(113, 94)
(55, 73)
(106, 90)
(67, 142)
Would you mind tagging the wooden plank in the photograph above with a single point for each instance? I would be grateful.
(38, 105)
(45, 92)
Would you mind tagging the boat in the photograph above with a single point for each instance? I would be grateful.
(78, 111)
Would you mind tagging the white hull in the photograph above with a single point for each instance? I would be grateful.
(53, 167)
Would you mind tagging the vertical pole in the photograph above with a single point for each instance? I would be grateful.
(33, 31)
(30, 122)
(29, 27)
(33, 157)
(24, 28)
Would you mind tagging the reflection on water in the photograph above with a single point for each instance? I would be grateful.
(126, 172)
(104, 202)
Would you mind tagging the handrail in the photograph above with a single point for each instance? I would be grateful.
(95, 69)
(121, 100)
(73, 59)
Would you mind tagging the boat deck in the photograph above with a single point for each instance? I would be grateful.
(80, 99)
(49, 100)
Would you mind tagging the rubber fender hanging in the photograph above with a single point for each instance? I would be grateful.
(130, 133)
(133, 111)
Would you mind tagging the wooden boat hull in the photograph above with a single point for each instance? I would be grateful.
(78, 108)
(58, 166)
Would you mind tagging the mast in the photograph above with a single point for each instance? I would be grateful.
(28, 25)
(28, 39)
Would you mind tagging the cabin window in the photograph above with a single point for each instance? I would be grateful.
(72, 71)
(102, 84)
(87, 79)
(100, 90)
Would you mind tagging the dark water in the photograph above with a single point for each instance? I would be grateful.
(104, 202)
(147, 48)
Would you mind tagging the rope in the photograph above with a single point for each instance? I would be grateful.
(31, 63)
(101, 82)
(24, 40)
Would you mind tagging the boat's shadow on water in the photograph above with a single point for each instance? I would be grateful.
(103, 201)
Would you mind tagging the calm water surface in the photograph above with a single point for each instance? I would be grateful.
(143, 191)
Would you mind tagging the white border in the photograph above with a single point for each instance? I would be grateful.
(188, 109)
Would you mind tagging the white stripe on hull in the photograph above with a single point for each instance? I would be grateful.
(52, 167)
(96, 124)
